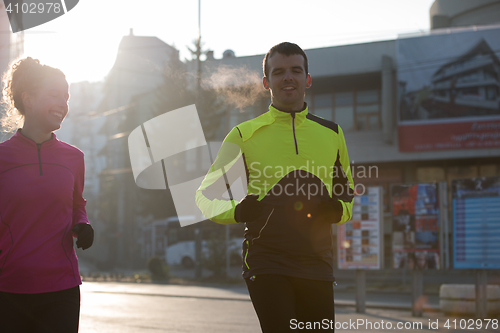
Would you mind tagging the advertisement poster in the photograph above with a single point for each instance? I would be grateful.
(359, 241)
(415, 226)
(448, 90)
(476, 223)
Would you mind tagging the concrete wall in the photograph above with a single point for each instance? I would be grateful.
(349, 59)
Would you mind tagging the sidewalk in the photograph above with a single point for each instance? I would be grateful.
(385, 289)
(146, 307)
(343, 298)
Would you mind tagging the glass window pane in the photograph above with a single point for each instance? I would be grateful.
(343, 98)
(322, 100)
(374, 122)
(367, 108)
(325, 113)
(362, 125)
(344, 116)
(367, 96)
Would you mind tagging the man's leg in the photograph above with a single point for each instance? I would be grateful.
(274, 302)
(315, 303)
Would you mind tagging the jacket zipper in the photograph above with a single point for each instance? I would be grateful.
(294, 136)
(39, 145)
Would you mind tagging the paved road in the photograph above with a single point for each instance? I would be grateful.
(138, 308)
(135, 308)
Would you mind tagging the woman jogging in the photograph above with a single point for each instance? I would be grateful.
(41, 205)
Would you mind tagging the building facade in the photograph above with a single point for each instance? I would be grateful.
(463, 13)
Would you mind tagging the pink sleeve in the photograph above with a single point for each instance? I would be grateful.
(79, 212)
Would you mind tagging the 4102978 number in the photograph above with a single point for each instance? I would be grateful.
(34, 8)
(471, 324)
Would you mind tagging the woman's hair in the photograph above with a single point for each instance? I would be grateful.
(24, 75)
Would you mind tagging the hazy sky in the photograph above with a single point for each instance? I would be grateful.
(84, 42)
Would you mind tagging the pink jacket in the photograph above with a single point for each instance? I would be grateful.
(40, 201)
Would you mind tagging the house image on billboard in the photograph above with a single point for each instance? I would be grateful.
(468, 86)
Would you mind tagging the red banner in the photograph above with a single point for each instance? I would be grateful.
(446, 136)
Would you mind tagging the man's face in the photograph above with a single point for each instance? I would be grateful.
(287, 80)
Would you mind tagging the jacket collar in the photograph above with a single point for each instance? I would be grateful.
(286, 116)
(25, 140)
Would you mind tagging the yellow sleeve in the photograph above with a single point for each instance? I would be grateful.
(347, 196)
(227, 168)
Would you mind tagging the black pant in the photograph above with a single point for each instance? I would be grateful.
(290, 304)
(54, 312)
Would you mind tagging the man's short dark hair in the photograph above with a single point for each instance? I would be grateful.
(287, 49)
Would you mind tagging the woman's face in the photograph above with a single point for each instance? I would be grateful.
(47, 107)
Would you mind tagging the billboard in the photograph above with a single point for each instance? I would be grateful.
(360, 240)
(449, 90)
(415, 226)
(476, 222)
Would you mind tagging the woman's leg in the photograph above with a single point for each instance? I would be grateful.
(59, 311)
(15, 313)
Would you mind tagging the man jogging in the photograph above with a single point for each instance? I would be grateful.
(299, 184)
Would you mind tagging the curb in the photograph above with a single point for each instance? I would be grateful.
(385, 306)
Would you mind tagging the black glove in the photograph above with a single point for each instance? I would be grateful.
(332, 209)
(249, 209)
(85, 234)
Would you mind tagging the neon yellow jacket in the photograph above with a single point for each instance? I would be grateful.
(293, 161)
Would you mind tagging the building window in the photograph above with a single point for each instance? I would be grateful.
(344, 110)
(323, 106)
(489, 74)
(367, 110)
(352, 110)
(344, 117)
(491, 93)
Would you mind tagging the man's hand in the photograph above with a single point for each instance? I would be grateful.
(249, 209)
(85, 234)
(332, 208)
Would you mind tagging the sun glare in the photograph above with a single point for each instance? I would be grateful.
(84, 42)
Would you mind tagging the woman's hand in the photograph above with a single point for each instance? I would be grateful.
(85, 234)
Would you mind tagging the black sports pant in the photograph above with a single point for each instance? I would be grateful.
(284, 302)
(54, 312)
